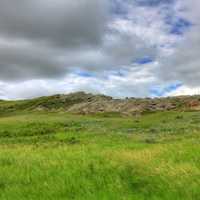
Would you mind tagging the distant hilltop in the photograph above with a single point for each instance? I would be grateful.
(86, 103)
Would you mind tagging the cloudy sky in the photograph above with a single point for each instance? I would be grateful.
(116, 47)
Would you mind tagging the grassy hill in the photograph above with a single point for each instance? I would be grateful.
(48, 152)
(83, 103)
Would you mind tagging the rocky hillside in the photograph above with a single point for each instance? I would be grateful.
(83, 103)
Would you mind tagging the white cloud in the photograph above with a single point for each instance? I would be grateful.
(134, 81)
(184, 90)
(184, 63)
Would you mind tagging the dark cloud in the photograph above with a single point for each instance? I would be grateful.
(28, 61)
(47, 39)
(36, 35)
(61, 22)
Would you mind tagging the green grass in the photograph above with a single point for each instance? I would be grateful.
(58, 156)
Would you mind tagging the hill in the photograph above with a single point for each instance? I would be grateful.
(48, 153)
(84, 103)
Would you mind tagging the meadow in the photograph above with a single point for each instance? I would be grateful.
(60, 156)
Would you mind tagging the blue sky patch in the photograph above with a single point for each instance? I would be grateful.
(153, 2)
(159, 91)
(180, 26)
(177, 25)
(118, 8)
(144, 61)
(84, 74)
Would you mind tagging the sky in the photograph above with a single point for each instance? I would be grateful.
(120, 48)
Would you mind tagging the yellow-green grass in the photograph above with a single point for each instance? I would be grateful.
(55, 156)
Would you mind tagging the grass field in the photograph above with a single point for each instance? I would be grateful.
(58, 156)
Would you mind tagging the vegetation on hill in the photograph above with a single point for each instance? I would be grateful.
(82, 103)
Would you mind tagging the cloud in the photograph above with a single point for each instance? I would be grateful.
(48, 39)
(183, 63)
(35, 35)
(61, 22)
(165, 90)
(121, 84)
(116, 47)
(184, 90)
(52, 47)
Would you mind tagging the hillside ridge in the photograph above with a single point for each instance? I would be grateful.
(87, 103)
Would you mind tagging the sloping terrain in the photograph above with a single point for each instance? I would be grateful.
(47, 153)
(83, 103)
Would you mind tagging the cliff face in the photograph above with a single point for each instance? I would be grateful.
(83, 103)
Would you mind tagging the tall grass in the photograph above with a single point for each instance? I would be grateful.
(60, 156)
